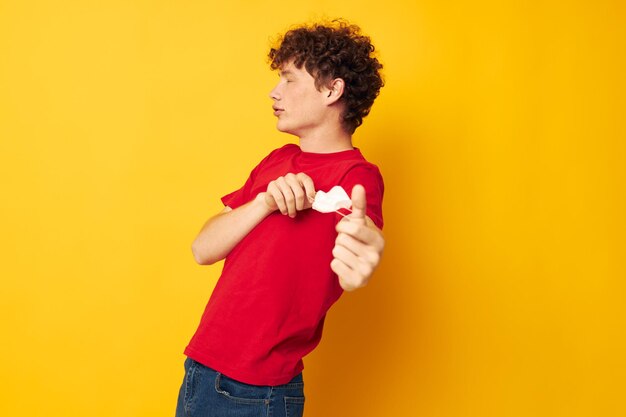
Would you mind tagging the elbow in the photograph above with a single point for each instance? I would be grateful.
(201, 257)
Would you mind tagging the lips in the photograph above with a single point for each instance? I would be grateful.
(277, 111)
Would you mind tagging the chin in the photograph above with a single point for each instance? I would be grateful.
(285, 129)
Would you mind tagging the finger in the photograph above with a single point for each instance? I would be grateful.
(366, 252)
(297, 189)
(346, 275)
(361, 232)
(348, 278)
(290, 199)
(358, 265)
(345, 256)
(309, 187)
(359, 204)
(274, 191)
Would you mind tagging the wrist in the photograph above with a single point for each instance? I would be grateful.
(260, 201)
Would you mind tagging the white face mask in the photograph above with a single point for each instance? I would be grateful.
(333, 200)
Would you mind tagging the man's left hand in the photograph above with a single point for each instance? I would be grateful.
(359, 245)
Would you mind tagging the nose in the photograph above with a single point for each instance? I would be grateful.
(274, 93)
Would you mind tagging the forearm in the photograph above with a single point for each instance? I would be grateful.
(222, 232)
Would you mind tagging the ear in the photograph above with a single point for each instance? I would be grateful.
(334, 90)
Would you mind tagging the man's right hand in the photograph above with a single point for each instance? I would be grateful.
(291, 193)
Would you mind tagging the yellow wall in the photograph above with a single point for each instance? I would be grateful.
(500, 135)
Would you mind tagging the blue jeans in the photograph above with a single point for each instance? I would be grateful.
(208, 393)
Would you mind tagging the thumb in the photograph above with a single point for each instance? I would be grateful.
(359, 204)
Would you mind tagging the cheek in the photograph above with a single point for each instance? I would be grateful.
(312, 99)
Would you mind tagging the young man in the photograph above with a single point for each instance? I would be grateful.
(286, 264)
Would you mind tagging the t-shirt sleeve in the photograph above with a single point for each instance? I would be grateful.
(241, 196)
(370, 178)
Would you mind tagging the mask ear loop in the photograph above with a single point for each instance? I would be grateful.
(344, 215)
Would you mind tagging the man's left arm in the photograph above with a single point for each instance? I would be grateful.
(359, 245)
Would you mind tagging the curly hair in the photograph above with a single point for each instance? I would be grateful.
(334, 50)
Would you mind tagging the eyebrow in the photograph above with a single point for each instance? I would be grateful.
(286, 72)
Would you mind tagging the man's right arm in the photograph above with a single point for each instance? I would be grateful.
(222, 232)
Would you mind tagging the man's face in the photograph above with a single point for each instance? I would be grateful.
(299, 106)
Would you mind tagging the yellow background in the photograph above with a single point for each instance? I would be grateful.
(500, 135)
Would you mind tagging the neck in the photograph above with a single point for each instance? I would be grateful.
(328, 140)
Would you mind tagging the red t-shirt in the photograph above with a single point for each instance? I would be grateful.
(268, 307)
